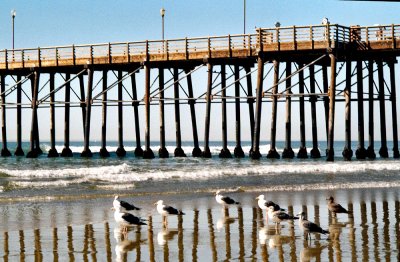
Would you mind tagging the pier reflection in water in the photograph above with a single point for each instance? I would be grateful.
(212, 234)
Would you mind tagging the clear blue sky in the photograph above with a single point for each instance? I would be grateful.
(41, 23)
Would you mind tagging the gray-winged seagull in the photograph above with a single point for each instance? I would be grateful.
(165, 211)
(122, 205)
(309, 227)
(335, 208)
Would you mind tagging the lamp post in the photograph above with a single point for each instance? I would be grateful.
(244, 17)
(13, 14)
(162, 12)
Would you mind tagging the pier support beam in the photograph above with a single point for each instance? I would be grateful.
(370, 150)
(272, 153)
(120, 150)
(18, 150)
(314, 153)
(83, 103)
(103, 150)
(33, 153)
(225, 153)
(138, 150)
(178, 150)
(206, 150)
(86, 151)
(53, 151)
(36, 138)
(383, 151)
(4, 150)
(255, 153)
(394, 110)
(66, 152)
(302, 153)
(238, 152)
(162, 151)
(288, 151)
(347, 152)
(361, 153)
(326, 101)
(250, 102)
(331, 126)
(148, 153)
(196, 152)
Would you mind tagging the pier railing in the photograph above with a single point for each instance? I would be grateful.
(242, 45)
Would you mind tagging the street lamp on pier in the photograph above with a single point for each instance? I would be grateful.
(13, 14)
(162, 13)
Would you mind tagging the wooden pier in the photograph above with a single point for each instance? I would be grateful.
(322, 51)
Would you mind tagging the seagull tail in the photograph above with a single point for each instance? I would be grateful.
(295, 217)
(325, 232)
(142, 223)
(237, 203)
(180, 212)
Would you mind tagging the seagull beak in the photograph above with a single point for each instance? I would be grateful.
(256, 197)
(113, 209)
(155, 203)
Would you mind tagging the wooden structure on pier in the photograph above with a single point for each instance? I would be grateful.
(316, 48)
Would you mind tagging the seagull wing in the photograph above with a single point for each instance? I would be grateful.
(229, 200)
(172, 211)
(128, 206)
(283, 216)
(337, 208)
(313, 228)
(133, 220)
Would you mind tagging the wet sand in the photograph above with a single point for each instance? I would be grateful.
(85, 230)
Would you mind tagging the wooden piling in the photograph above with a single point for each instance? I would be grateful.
(394, 110)
(147, 153)
(255, 153)
(83, 103)
(178, 150)
(314, 153)
(225, 153)
(33, 153)
(162, 152)
(103, 150)
(361, 153)
(138, 150)
(288, 151)
(120, 150)
(66, 152)
(347, 151)
(383, 151)
(272, 153)
(250, 102)
(332, 90)
(18, 150)
(86, 150)
(206, 150)
(370, 150)
(302, 153)
(238, 152)
(53, 151)
(35, 122)
(4, 150)
(325, 85)
(196, 152)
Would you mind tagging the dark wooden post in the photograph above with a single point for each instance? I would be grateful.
(196, 152)
(383, 151)
(370, 150)
(33, 153)
(86, 151)
(326, 99)
(148, 153)
(255, 153)
(250, 102)
(331, 127)
(53, 151)
(178, 150)
(4, 151)
(66, 152)
(272, 153)
(138, 150)
(83, 104)
(18, 150)
(238, 152)
(162, 152)
(347, 151)
(35, 121)
(120, 150)
(361, 153)
(103, 150)
(394, 110)
(314, 153)
(288, 151)
(225, 153)
(302, 153)
(206, 151)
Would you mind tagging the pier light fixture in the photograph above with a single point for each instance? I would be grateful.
(162, 13)
(13, 15)
(277, 24)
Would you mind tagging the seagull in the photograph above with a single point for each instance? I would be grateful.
(224, 200)
(124, 206)
(127, 219)
(264, 204)
(165, 210)
(309, 227)
(335, 208)
(279, 216)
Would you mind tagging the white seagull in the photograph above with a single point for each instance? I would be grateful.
(122, 205)
(279, 216)
(264, 204)
(127, 219)
(225, 200)
(165, 211)
(309, 227)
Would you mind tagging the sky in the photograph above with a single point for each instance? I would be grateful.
(43, 23)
